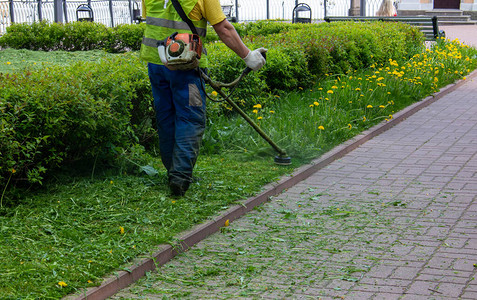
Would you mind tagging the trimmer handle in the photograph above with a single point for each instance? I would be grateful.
(248, 70)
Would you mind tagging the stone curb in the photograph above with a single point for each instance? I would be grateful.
(165, 253)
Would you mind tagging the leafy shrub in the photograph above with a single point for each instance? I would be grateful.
(80, 112)
(125, 37)
(265, 27)
(81, 36)
(73, 36)
(296, 58)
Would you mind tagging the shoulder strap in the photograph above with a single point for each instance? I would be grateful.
(183, 16)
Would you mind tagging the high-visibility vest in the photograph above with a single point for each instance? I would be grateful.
(162, 22)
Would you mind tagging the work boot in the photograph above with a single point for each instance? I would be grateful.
(178, 188)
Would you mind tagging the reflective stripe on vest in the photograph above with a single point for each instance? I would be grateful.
(181, 25)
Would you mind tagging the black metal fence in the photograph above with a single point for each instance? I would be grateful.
(115, 12)
(108, 12)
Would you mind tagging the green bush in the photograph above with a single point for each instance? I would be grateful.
(265, 27)
(82, 36)
(125, 37)
(56, 115)
(73, 36)
(297, 58)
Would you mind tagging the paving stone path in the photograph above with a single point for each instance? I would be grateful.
(394, 219)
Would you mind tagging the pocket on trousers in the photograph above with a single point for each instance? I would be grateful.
(194, 95)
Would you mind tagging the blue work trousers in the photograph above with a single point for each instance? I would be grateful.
(179, 103)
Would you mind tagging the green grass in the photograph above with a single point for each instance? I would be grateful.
(82, 225)
(13, 60)
(71, 231)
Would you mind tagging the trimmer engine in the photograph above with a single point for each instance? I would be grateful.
(181, 51)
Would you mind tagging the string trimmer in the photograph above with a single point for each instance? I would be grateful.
(282, 158)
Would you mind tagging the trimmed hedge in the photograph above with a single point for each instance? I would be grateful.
(73, 36)
(55, 115)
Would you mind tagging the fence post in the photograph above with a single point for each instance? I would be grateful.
(111, 12)
(131, 10)
(58, 10)
(40, 17)
(12, 15)
(325, 3)
(268, 9)
(355, 8)
(363, 8)
(65, 10)
(236, 10)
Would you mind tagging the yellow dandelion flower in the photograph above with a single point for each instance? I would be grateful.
(370, 90)
(89, 281)
(320, 89)
(350, 126)
(111, 182)
(227, 223)
(390, 117)
(214, 93)
(327, 99)
(13, 171)
(364, 119)
(255, 111)
(330, 92)
(9, 63)
(334, 87)
(316, 103)
(321, 127)
(369, 106)
(272, 111)
(357, 89)
(259, 118)
(121, 229)
(257, 106)
(173, 201)
(464, 78)
(382, 106)
(62, 284)
(311, 105)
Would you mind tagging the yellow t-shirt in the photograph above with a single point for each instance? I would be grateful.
(211, 10)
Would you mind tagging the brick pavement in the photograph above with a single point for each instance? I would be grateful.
(393, 219)
(465, 33)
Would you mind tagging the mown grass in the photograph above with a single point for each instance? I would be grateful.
(81, 225)
(11, 59)
(76, 229)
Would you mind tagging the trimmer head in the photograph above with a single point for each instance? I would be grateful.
(283, 161)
